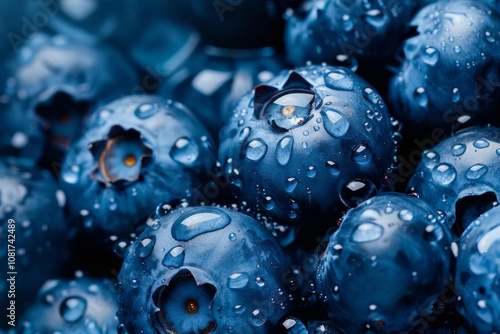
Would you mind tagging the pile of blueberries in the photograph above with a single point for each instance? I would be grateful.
(250, 166)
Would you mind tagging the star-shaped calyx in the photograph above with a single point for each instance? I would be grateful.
(120, 157)
(287, 108)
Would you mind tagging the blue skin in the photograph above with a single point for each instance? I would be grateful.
(79, 306)
(292, 325)
(450, 74)
(461, 167)
(31, 198)
(205, 268)
(52, 98)
(493, 3)
(124, 165)
(211, 79)
(368, 31)
(477, 274)
(295, 150)
(388, 261)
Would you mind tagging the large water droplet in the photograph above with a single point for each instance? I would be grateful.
(405, 215)
(174, 257)
(339, 80)
(366, 232)
(260, 281)
(268, 203)
(361, 154)
(284, 150)
(335, 123)
(244, 133)
(444, 173)
(199, 221)
(290, 184)
(146, 110)
(146, 246)
(356, 192)
(347, 23)
(458, 149)
(255, 150)
(372, 96)
(311, 171)
(430, 159)
(421, 97)
(476, 171)
(237, 280)
(73, 309)
(456, 95)
(457, 49)
(430, 56)
(258, 318)
(239, 309)
(376, 18)
(489, 37)
(481, 143)
(333, 168)
(185, 151)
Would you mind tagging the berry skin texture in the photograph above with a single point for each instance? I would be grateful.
(54, 86)
(388, 261)
(450, 75)
(136, 152)
(327, 30)
(79, 306)
(459, 176)
(38, 233)
(477, 275)
(204, 270)
(308, 144)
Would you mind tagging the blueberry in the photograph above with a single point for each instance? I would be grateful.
(296, 149)
(32, 226)
(366, 30)
(54, 85)
(477, 275)
(136, 152)
(80, 306)
(387, 263)
(450, 73)
(223, 22)
(204, 270)
(211, 79)
(459, 176)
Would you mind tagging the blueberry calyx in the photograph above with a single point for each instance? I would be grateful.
(120, 157)
(287, 108)
(184, 305)
(61, 116)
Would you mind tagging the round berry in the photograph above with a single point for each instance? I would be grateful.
(136, 152)
(388, 261)
(459, 176)
(323, 31)
(450, 75)
(477, 274)
(79, 306)
(55, 84)
(204, 270)
(33, 230)
(308, 144)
